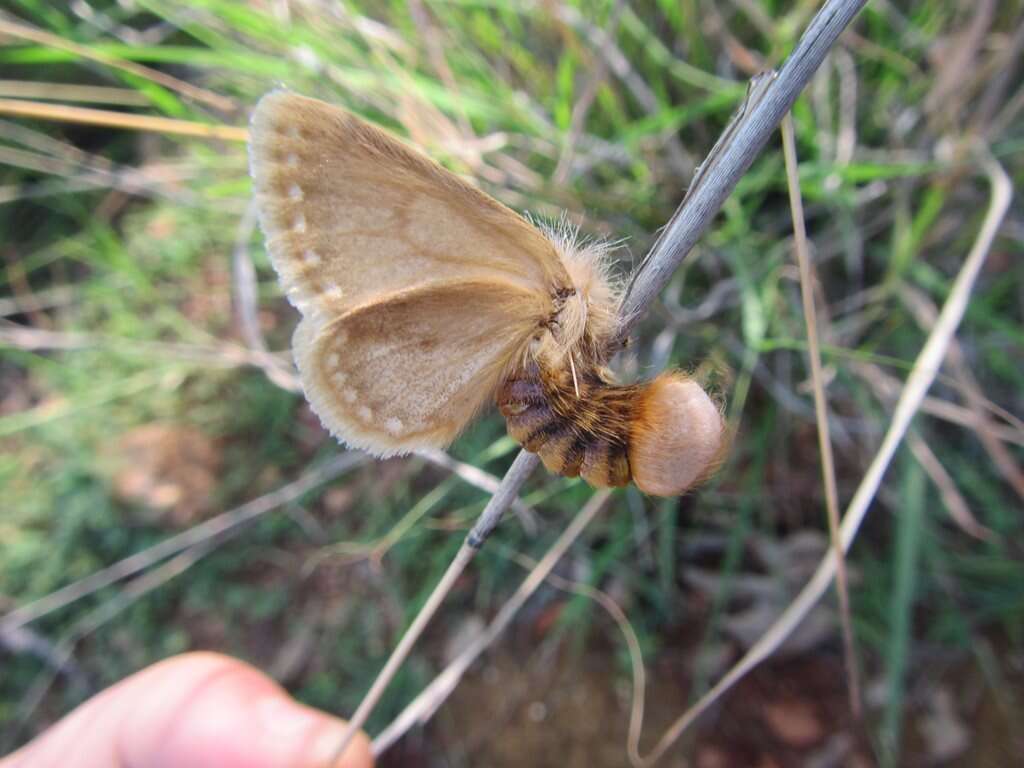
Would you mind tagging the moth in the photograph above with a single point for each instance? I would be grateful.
(423, 299)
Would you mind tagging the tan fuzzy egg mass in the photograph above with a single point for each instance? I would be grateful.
(677, 436)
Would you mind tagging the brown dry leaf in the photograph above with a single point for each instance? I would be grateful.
(168, 468)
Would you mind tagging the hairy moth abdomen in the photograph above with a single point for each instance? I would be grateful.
(665, 435)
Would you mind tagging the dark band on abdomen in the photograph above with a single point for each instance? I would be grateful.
(574, 433)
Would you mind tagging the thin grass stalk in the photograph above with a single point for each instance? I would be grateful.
(828, 469)
(104, 117)
(50, 91)
(907, 552)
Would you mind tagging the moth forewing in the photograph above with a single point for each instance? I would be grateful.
(350, 212)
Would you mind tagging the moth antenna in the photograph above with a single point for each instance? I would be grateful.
(575, 382)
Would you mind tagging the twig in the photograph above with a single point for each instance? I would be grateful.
(747, 135)
(485, 481)
(27, 641)
(828, 469)
(217, 528)
(722, 171)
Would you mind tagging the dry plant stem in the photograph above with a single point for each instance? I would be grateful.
(887, 388)
(245, 284)
(828, 470)
(636, 659)
(921, 377)
(956, 505)
(720, 175)
(27, 641)
(110, 119)
(521, 468)
(246, 306)
(485, 481)
(924, 312)
(427, 702)
(226, 356)
(721, 172)
(455, 569)
(97, 94)
(216, 528)
(56, 41)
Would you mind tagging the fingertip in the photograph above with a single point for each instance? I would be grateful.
(207, 710)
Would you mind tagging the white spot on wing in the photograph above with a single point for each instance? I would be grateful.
(394, 426)
(299, 224)
(348, 396)
(292, 160)
(364, 413)
(333, 359)
(295, 192)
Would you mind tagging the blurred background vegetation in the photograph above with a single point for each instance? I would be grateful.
(136, 402)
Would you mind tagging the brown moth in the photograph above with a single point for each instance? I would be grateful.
(423, 298)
